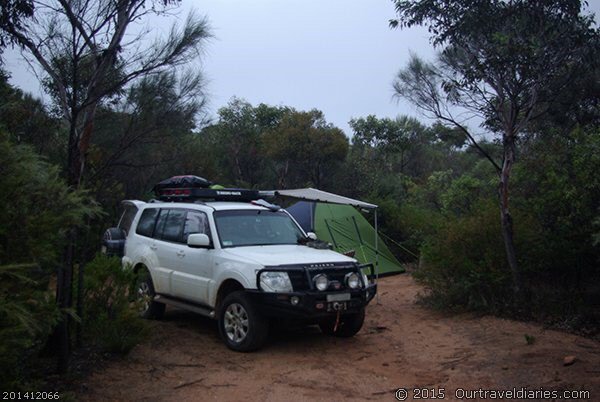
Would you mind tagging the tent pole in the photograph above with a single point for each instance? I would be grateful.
(376, 254)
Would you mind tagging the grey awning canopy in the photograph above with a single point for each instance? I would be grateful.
(312, 194)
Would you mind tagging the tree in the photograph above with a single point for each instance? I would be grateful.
(146, 136)
(503, 61)
(38, 208)
(12, 13)
(237, 138)
(396, 140)
(26, 118)
(304, 148)
(83, 50)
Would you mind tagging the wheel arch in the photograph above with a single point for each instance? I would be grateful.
(227, 286)
(139, 266)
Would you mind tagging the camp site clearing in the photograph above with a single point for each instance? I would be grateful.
(402, 345)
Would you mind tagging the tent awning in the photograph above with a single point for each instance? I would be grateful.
(312, 194)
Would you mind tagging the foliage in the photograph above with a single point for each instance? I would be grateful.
(80, 46)
(559, 186)
(267, 146)
(146, 136)
(504, 62)
(12, 14)
(556, 197)
(110, 317)
(304, 148)
(463, 264)
(397, 143)
(26, 119)
(27, 316)
(37, 209)
(237, 139)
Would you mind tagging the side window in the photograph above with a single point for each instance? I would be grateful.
(173, 225)
(195, 222)
(160, 223)
(127, 217)
(145, 226)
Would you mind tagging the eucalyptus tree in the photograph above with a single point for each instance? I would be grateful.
(505, 62)
(87, 51)
(12, 13)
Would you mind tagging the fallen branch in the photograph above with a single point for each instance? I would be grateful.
(185, 384)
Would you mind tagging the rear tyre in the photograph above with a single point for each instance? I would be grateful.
(348, 326)
(149, 308)
(241, 325)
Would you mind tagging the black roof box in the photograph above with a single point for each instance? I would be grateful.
(187, 181)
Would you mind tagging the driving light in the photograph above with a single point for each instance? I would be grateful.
(275, 282)
(352, 280)
(321, 282)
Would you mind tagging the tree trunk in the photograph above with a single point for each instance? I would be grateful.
(73, 158)
(283, 174)
(64, 275)
(505, 217)
(78, 146)
(63, 299)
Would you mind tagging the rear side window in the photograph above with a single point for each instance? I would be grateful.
(145, 226)
(127, 217)
(170, 228)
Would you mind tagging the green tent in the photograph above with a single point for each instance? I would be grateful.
(346, 229)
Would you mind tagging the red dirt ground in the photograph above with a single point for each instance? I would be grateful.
(401, 345)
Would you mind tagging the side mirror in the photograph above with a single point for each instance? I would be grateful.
(198, 240)
(311, 236)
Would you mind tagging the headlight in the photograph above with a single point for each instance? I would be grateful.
(275, 282)
(352, 280)
(321, 282)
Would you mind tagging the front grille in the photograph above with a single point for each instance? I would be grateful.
(299, 279)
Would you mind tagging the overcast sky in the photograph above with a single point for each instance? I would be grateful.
(338, 56)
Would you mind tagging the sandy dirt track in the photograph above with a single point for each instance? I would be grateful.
(401, 345)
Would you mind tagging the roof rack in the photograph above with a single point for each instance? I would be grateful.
(195, 194)
(188, 188)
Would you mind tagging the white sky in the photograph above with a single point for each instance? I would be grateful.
(338, 56)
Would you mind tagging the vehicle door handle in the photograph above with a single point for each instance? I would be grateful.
(153, 247)
(181, 253)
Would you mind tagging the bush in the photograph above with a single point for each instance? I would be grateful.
(463, 263)
(37, 210)
(27, 315)
(37, 207)
(110, 319)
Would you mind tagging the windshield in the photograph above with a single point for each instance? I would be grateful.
(256, 228)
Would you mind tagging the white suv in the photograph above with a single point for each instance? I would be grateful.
(241, 263)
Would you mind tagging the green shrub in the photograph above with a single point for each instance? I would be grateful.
(463, 263)
(37, 210)
(110, 319)
(37, 207)
(27, 315)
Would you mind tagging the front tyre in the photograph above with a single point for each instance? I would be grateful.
(241, 326)
(148, 308)
(348, 326)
